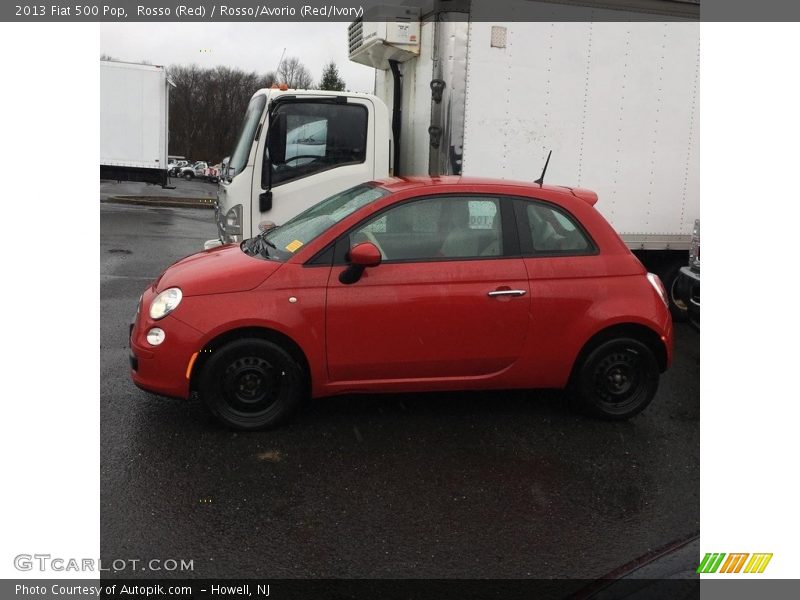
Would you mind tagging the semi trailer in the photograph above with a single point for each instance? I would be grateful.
(134, 122)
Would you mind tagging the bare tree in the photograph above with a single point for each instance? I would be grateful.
(294, 74)
(207, 107)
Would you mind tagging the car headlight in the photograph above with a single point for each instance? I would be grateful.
(165, 303)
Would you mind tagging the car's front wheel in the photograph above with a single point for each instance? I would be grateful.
(617, 379)
(188, 175)
(252, 384)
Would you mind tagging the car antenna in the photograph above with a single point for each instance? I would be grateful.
(540, 181)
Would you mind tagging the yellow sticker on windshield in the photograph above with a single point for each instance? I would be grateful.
(294, 245)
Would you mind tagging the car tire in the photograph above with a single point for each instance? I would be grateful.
(617, 379)
(188, 176)
(252, 384)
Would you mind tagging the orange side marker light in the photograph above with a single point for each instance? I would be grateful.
(191, 364)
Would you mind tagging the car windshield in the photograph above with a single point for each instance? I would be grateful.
(284, 241)
(245, 140)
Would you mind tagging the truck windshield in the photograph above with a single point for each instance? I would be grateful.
(284, 241)
(242, 151)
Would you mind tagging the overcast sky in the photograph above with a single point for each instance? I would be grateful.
(247, 46)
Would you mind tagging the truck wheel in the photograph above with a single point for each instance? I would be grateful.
(677, 307)
(252, 384)
(617, 380)
(188, 176)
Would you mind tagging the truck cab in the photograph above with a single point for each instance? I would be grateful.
(295, 148)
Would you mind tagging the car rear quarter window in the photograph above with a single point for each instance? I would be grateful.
(549, 230)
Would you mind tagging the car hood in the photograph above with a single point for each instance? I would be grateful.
(220, 270)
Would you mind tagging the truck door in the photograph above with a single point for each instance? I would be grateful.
(316, 147)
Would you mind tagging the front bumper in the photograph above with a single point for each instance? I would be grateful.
(162, 369)
(689, 291)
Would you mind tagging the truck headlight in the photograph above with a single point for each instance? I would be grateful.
(233, 220)
(165, 303)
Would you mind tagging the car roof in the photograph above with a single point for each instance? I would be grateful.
(526, 188)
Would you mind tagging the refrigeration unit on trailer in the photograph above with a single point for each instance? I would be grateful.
(134, 122)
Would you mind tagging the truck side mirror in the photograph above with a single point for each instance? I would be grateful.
(276, 149)
(276, 139)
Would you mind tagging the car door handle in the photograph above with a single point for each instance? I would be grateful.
(507, 293)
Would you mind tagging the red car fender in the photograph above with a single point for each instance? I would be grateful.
(292, 320)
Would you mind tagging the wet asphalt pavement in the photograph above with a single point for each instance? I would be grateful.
(195, 188)
(479, 485)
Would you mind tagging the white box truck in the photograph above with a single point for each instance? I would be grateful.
(134, 122)
(616, 102)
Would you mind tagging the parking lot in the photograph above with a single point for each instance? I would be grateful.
(479, 485)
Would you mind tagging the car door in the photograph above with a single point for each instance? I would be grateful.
(449, 299)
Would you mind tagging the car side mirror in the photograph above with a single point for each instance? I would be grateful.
(365, 254)
(359, 258)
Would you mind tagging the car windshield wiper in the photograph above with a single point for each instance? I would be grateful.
(257, 245)
(264, 242)
(263, 237)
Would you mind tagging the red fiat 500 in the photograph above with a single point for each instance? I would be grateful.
(406, 285)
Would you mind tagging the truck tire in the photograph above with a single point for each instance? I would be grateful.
(617, 379)
(252, 384)
(677, 307)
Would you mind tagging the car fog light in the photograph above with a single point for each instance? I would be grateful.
(155, 336)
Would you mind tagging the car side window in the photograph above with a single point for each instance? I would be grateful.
(553, 232)
(436, 229)
(308, 137)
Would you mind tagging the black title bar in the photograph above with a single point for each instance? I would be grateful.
(349, 10)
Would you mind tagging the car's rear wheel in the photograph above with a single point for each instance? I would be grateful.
(617, 379)
(188, 175)
(252, 384)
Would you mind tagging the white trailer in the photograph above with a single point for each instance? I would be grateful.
(134, 122)
(616, 102)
